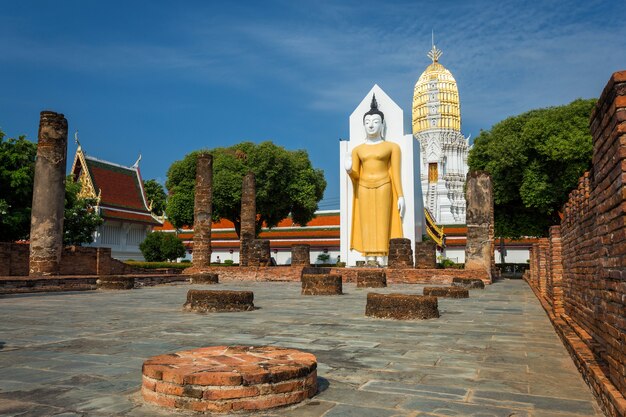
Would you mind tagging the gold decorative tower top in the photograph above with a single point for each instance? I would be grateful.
(436, 102)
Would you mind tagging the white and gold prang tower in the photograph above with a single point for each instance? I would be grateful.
(443, 148)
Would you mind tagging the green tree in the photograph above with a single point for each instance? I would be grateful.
(160, 246)
(17, 173)
(17, 170)
(535, 160)
(80, 218)
(286, 183)
(155, 193)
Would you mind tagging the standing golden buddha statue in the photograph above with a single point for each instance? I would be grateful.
(378, 202)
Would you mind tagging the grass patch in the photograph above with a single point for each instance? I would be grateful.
(158, 265)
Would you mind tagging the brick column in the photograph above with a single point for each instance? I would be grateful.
(479, 247)
(46, 223)
(531, 264)
(300, 255)
(555, 287)
(543, 266)
(202, 210)
(248, 217)
(400, 254)
(425, 255)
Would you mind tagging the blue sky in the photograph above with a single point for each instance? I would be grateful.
(163, 78)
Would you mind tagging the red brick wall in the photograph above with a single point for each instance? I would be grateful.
(13, 259)
(585, 287)
(594, 236)
(75, 260)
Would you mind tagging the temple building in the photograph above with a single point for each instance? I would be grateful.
(321, 234)
(443, 148)
(121, 202)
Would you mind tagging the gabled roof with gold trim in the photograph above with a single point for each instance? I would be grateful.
(118, 189)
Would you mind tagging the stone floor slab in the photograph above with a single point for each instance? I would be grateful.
(80, 353)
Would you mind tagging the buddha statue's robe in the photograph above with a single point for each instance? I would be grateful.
(377, 184)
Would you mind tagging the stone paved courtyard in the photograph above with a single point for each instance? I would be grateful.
(494, 354)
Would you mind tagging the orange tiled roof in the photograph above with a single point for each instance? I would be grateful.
(120, 186)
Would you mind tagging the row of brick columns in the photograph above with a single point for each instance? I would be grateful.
(546, 268)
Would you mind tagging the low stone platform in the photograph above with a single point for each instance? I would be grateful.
(210, 301)
(223, 379)
(401, 306)
(450, 292)
(321, 284)
(115, 282)
(469, 283)
(371, 279)
(26, 284)
(204, 278)
(294, 274)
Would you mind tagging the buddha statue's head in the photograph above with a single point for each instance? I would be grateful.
(374, 121)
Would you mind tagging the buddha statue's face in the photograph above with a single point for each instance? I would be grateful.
(373, 125)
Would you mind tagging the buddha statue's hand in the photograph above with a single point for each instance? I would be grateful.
(401, 207)
(347, 162)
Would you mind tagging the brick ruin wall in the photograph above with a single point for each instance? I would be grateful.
(579, 272)
(75, 260)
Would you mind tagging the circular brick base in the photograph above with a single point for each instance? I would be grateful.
(450, 292)
(469, 283)
(204, 278)
(371, 279)
(205, 301)
(401, 306)
(223, 379)
(115, 282)
(321, 284)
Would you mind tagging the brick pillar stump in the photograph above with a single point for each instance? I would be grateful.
(210, 301)
(401, 306)
(259, 252)
(450, 292)
(202, 211)
(48, 207)
(371, 279)
(400, 254)
(300, 255)
(321, 284)
(425, 255)
(229, 379)
(115, 282)
(204, 278)
(469, 283)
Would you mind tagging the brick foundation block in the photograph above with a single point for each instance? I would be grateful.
(204, 278)
(205, 301)
(371, 279)
(450, 292)
(226, 379)
(115, 282)
(469, 283)
(401, 306)
(321, 284)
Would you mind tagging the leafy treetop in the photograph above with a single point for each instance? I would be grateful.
(81, 220)
(17, 171)
(155, 194)
(535, 159)
(286, 183)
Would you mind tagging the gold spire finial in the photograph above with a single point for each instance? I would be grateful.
(434, 53)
